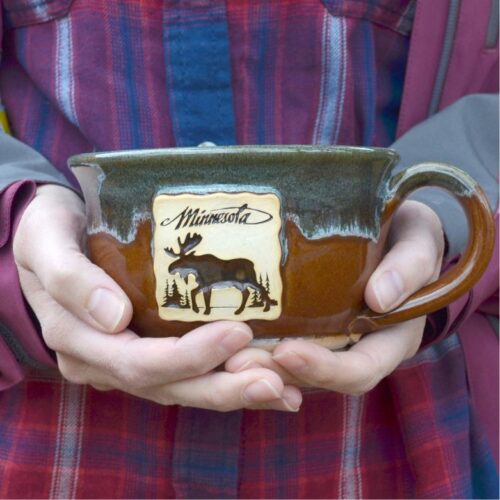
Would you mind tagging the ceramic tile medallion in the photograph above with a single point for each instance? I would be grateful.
(217, 256)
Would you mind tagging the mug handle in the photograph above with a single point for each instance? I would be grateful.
(473, 262)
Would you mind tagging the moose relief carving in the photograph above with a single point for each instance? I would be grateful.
(211, 272)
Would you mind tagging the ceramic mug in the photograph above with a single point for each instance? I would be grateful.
(282, 237)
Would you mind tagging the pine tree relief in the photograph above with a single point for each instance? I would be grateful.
(173, 297)
(167, 293)
(186, 304)
(256, 300)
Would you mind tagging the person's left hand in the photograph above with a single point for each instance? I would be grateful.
(416, 250)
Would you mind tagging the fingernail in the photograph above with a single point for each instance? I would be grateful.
(260, 391)
(290, 360)
(289, 407)
(388, 288)
(292, 400)
(235, 339)
(106, 308)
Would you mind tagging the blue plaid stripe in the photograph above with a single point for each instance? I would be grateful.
(206, 454)
(484, 477)
(199, 76)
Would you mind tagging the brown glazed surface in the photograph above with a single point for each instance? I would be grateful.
(324, 282)
(323, 279)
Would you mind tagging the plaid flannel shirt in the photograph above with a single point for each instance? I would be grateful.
(99, 75)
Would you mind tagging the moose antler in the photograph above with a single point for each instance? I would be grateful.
(189, 242)
(184, 246)
(169, 251)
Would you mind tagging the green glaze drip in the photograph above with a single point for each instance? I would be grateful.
(325, 190)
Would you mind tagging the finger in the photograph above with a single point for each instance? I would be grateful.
(48, 244)
(291, 400)
(78, 372)
(252, 357)
(134, 360)
(357, 370)
(257, 389)
(413, 261)
(103, 361)
(222, 391)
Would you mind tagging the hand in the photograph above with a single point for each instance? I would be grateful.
(416, 250)
(83, 314)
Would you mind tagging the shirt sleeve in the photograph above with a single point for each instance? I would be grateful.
(20, 162)
(21, 344)
(465, 135)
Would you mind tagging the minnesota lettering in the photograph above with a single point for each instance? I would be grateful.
(193, 217)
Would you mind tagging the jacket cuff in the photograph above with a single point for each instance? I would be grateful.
(21, 344)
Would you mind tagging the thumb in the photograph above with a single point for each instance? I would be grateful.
(413, 261)
(47, 243)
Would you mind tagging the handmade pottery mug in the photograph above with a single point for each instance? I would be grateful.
(282, 237)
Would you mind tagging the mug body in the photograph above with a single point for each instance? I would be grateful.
(282, 237)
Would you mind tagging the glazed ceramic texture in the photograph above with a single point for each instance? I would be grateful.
(335, 207)
(300, 175)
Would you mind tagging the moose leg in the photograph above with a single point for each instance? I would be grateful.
(207, 294)
(194, 292)
(244, 297)
(266, 299)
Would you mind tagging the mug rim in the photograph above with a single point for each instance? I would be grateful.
(261, 151)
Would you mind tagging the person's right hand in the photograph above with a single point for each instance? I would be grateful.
(84, 315)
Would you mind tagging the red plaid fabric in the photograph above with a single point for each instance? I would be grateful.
(412, 436)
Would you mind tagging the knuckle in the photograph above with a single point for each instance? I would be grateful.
(51, 337)
(416, 210)
(71, 371)
(363, 386)
(30, 223)
(61, 279)
(54, 329)
(133, 372)
(368, 377)
(431, 217)
(18, 245)
(130, 375)
(50, 334)
(423, 257)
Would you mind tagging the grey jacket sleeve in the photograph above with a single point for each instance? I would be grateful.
(466, 135)
(20, 162)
